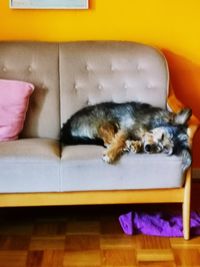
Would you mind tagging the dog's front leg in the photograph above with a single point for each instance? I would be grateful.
(116, 147)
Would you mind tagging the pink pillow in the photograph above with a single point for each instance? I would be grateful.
(14, 99)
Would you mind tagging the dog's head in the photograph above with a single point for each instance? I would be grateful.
(168, 139)
(168, 133)
(158, 140)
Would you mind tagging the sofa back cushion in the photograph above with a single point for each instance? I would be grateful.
(36, 63)
(97, 71)
(69, 76)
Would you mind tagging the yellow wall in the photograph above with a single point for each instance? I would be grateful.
(172, 25)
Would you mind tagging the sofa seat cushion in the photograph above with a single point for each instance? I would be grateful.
(83, 169)
(29, 165)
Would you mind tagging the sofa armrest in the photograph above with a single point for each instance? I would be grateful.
(175, 105)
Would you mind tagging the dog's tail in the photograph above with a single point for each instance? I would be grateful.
(66, 137)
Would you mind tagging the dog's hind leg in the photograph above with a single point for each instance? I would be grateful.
(116, 148)
(107, 133)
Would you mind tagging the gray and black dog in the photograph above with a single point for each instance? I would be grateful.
(113, 124)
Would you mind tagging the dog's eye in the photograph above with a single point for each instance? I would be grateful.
(162, 137)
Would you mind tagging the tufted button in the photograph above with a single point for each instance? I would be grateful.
(150, 86)
(43, 86)
(76, 87)
(139, 67)
(112, 67)
(87, 67)
(4, 69)
(125, 86)
(30, 69)
(100, 86)
(88, 102)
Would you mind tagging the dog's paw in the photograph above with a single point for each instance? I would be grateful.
(127, 147)
(136, 146)
(106, 158)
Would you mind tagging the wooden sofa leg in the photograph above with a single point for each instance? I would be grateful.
(186, 206)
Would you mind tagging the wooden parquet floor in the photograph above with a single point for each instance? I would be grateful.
(88, 236)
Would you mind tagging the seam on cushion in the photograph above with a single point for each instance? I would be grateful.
(60, 178)
(26, 162)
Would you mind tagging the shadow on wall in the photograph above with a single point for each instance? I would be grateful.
(37, 100)
(185, 80)
(91, 4)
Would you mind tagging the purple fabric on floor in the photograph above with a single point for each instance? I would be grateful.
(158, 224)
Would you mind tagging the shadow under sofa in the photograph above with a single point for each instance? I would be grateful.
(37, 171)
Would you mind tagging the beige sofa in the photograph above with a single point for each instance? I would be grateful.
(36, 171)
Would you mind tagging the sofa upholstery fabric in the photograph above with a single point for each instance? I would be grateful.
(30, 165)
(83, 169)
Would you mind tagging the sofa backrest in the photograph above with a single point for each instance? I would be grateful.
(97, 71)
(36, 63)
(69, 76)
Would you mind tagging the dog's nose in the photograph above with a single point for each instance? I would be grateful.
(147, 148)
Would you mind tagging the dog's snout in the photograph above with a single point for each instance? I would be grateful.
(147, 148)
(152, 148)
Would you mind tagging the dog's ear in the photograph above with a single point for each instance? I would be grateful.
(183, 116)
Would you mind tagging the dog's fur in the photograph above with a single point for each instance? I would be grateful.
(112, 124)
